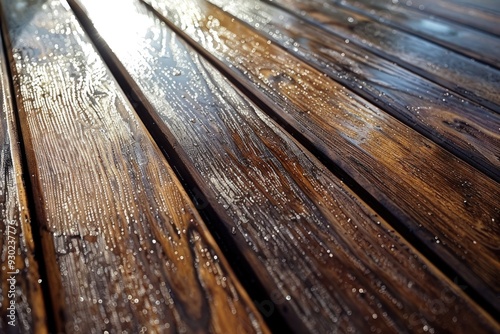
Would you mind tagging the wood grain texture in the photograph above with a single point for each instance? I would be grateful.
(470, 42)
(328, 262)
(464, 128)
(124, 247)
(449, 206)
(458, 73)
(21, 299)
(472, 17)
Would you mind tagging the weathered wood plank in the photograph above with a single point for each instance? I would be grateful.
(470, 42)
(124, 247)
(471, 17)
(461, 74)
(21, 298)
(328, 261)
(449, 206)
(464, 128)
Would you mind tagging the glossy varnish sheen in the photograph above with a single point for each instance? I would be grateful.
(456, 72)
(451, 207)
(488, 6)
(124, 248)
(327, 260)
(464, 128)
(469, 16)
(471, 42)
(17, 247)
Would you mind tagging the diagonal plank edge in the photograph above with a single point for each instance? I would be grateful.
(328, 261)
(490, 6)
(21, 297)
(449, 206)
(469, 42)
(463, 75)
(124, 247)
(472, 17)
(464, 128)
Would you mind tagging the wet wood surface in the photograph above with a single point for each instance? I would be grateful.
(484, 5)
(327, 261)
(458, 73)
(464, 128)
(344, 155)
(21, 298)
(470, 42)
(467, 16)
(449, 206)
(124, 247)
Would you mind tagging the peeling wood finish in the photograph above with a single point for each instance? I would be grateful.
(463, 75)
(328, 261)
(449, 206)
(124, 247)
(470, 42)
(464, 128)
(19, 271)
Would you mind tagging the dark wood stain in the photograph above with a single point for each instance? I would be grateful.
(125, 248)
(449, 206)
(491, 6)
(464, 128)
(19, 267)
(328, 261)
(458, 73)
(470, 42)
(472, 17)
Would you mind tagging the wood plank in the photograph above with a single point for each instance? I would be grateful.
(464, 128)
(472, 17)
(485, 5)
(470, 42)
(449, 206)
(21, 298)
(460, 74)
(328, 261)
(125, 248)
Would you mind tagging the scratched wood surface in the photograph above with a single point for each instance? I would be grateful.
(327, 261)
(21, 299)
(464, 128)
(456, 72)
(470, 42)
(124, 248)
(467, 16)
(449, 206)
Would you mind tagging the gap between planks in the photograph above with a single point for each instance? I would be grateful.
(180, 127)
(124, 246)
(368, 172)
(465, 76)
(459, 38)
(460, 126)
(22, 300)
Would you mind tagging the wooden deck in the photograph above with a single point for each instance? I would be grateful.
(223, 166)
